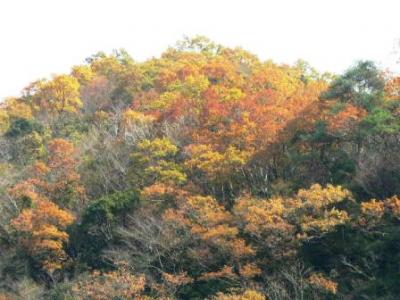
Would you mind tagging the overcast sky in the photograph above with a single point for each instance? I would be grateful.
(39, 38)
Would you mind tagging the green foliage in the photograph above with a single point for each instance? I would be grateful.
(109, 208)
(21, 127)
(362, 85)
(380, 121)
(256, 178)
(156, 160)
(96, 230)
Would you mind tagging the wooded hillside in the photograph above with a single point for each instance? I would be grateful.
(203, 174)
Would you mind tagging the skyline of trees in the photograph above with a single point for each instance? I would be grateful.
(204, 173)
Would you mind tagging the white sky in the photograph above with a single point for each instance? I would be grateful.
(42, 37)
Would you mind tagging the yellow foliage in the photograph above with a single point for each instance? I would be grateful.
(177, 279)
(221, 230)
(278, 78)
(157, 190)
(205, 159)
(4, 120)
(393, 205)
(119, 284)
(373, 208)
(325, 222)
(83, 73)
(225, 272)
(247, 295)
(165, 100)
(317, 196)
(207, 211)
(158, 148)
(42, 228)
(217, 166)
(157, 160)
(229, 94)
(320, 281)
(62, 94)
(250, 270)
(16, 108)
(241, 249)
(279, 221)
(40, 168)
(265, 215)
(131, 117)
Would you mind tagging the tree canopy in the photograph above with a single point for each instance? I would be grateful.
(205, 173)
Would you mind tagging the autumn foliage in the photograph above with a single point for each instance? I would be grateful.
(205, 173)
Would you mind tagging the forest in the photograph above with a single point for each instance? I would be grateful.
(204, 173)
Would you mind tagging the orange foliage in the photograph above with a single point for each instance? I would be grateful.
(58, 177)
(225, 272)
(392, 88)
(280, 223)
(320, 281)
(41, 225)
(230, 113)
(250, 270)
(119, 284)
(344, 121)
(42, 230)
(374, 210)
(247, 295)
(215, 227)
(177, 279)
